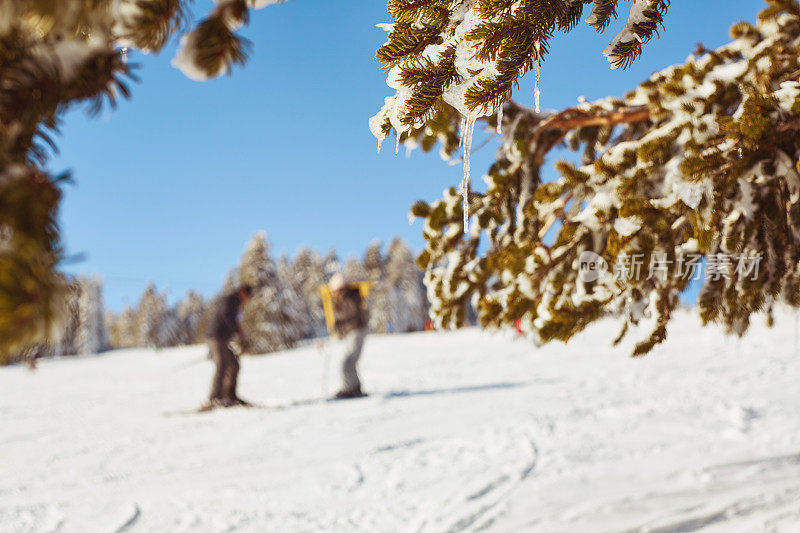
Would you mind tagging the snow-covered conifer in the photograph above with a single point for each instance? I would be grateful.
(191, 311)
(150, 318)
(308, 273)
(294, 283)
(273, 319)
(53, 55)
(354, 270)
(123, 329)
(91, 336)
(380, 301)
(66, 341)
(171, 331)
(468, 56)
(404, 278)
(699, 161)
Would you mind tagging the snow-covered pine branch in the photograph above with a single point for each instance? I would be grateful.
(699, 161)
(53, 55)
(470, 54)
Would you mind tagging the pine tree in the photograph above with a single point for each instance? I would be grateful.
(308, 273)
(55, 55)
(151, 318)
(374, 261)
(379, 302)
(91, 336)
(463, 58)
(191, 312)
(109, 322)
(699, 161)
(65, 341)
(404, 279)
(294, 284)
(354, 270)
(232, 281)
(272, 320)
(171, 331)
(469, 54)
(123, 329)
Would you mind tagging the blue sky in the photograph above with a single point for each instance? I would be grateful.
(170, 185)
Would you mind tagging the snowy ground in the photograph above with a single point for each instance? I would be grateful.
(464, 431)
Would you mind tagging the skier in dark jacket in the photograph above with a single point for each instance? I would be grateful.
(223, 326)
(351, 325)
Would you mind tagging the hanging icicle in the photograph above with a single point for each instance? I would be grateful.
(466, 141)
(538, 67)
(397, 145)
(500, 120)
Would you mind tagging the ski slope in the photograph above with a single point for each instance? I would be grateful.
(463, 431)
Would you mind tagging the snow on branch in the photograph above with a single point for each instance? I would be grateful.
(698, 163)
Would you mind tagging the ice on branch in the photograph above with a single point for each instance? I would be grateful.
(468, 56)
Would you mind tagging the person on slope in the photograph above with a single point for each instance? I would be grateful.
(223, 325)
(350, 324)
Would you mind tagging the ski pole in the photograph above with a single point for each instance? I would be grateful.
(326, 356)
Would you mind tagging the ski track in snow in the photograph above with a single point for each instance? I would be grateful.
(129, 519)
(463, 431)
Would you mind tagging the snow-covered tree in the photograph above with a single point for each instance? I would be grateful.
(374, 261)
(273, 318)
(696, 159)
(65, 340)
(53, 56)
(354, 270)
(404, 280)
(463, 58)
(171, 331)
(123, 329)
(699, 161)
(191, 313)
(92, 336)
(380, 301)
(294, 283)
(308, 274)
(151, 318)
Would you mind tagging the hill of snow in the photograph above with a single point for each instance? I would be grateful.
(463, 431)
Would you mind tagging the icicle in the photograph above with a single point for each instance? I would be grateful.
(397, 145)
(463, 129)
(380, 142)
(500, 120)
(466, 141)
(537, 93)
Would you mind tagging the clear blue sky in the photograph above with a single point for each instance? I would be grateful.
(171, 184)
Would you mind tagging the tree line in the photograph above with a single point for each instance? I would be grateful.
(286, 308)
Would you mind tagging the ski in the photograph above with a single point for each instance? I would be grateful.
(267, 406)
